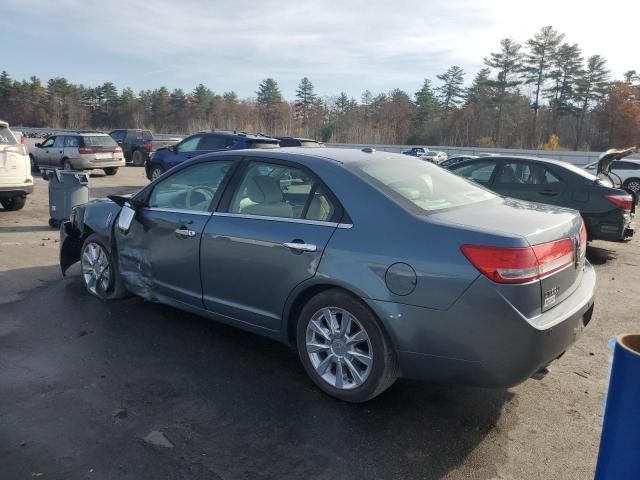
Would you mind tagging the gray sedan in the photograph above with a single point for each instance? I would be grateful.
(372, 265)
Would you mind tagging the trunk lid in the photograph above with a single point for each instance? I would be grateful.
(533, 224)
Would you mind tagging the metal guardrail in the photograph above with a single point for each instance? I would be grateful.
(577, 158)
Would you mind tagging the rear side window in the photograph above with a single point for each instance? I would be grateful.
(262, 144)
(98, 141)
(118, 135)
(477, 171)
(525, 174)
(421, 184)
(71, 142)
(7, 137)
(215, 142)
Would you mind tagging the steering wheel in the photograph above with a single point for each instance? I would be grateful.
(204, 190)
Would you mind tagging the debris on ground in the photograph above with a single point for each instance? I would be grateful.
(157, 439)
(120, 413)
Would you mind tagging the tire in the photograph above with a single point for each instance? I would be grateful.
(633, 184)
(156, 171)
(349, 366)
(12, 204)
(137, 158)
(53, 223)
(110, 170)
(96, 262)
(66, 164)
(34, 164)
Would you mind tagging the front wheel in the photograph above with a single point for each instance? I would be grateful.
(99, 271)
(344, 348)
(156, 171)
(13, 203)
(110, 170)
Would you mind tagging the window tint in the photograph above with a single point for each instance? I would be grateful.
(190, 189)
(215, 142)
(278, 191)
(48, 142)
(71, 142)
(525, 174)
(421, 184)
(98, 141)
(189, 145)
(118, 135)
(58, 142)
(7, 137)
(137, 134)
(478, 171)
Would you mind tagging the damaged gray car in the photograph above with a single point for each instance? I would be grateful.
(372, 265)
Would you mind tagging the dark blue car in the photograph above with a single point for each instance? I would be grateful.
(203, 142)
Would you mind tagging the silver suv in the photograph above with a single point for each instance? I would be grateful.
(79, 151)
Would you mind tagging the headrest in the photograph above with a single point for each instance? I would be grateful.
(264, 189)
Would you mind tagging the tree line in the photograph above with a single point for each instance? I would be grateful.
(542, 93)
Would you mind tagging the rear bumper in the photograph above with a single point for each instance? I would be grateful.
(90, 162)
(16, 190)
(482, 340)
(613, 226)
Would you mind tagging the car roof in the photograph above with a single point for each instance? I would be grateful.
(237, 134)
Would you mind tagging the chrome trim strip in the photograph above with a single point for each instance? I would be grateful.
(179, 210)
(345, 226)
(283, 219)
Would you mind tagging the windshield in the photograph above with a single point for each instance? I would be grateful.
(99, 141)
(422, 184)
(580, 171)
(6, 136)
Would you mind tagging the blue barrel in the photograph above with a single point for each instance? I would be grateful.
(619, 456)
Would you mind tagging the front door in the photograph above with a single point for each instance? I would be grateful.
(42, 152)
(268, 237)
(56, 152)
(160, 255)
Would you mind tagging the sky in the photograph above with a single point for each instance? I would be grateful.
(347, 45)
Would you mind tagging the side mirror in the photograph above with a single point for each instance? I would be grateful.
(126, 218)
(39, 145)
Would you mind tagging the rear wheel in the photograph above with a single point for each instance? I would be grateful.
(110, 170)
(633, 184)
(344, 348)
(156, 171)
(137, 159)
(99, 271)
(13, 203)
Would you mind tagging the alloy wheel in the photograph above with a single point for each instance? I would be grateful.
(155, 173)
(339, 348)
(96, 268)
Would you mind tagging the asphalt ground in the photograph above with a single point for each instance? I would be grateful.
(134, 390)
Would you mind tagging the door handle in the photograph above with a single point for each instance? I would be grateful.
(549, 193)
(301, 247)
(184, 233)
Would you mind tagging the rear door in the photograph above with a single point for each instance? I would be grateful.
(268, 236)
(160, 255)
(531, 181)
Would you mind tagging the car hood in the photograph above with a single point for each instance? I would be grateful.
(604, 164)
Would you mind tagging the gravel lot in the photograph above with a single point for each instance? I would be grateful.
(132, 390)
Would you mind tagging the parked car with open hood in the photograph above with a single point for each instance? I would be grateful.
(79, 151)
(461, 285)
(16, 181)
(201, 143)
(608, 212)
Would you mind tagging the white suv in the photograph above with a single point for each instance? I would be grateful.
(626, 172)
(16, 181)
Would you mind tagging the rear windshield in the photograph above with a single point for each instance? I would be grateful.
(580, 171)
(262, 144)
(139, 134)
(98, 141)
(415, 183)
(6, 136)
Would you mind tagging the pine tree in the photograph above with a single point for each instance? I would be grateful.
(537, 64)
(269, 100)
(566, 66)
(507, 62)
(590, 87)
(480, 91)
(451, 91)
(305, 97)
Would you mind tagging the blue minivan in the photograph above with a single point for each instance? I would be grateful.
(204, 142)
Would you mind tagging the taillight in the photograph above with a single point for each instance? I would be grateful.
(148, 145)
(85, 150)
(583, 240)
(118, 150)
(520, 265)
(622, 200)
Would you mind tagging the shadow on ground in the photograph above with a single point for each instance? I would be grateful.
(234, 405)
(599, 255)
